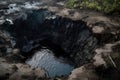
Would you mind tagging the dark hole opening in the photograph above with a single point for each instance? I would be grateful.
(65, 37)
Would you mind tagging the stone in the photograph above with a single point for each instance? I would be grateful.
(109, 55)
(9, 50)
(98, 29)
(25, 72)
(19, 71)
(15, 51)
(86, 72)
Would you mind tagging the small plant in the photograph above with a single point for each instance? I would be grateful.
(72, 4)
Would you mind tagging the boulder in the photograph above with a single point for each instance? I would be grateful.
(86, 72)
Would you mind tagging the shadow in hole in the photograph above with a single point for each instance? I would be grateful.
(48, 44)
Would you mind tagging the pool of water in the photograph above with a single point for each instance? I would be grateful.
(52, 65)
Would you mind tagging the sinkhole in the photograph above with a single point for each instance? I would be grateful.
(53, 42)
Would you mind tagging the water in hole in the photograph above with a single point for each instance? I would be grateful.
(53, 66)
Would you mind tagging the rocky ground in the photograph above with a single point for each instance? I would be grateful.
(105, 64)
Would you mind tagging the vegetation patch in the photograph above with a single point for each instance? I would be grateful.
(105, 6)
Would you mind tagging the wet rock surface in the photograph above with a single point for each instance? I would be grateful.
(52, 65)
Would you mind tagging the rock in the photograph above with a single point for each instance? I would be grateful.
(86, 72)
(9, 50)
(2, 60)
(98, 59)
(25, 72)
(98, 29)
(2, 21)
(6, 70)
(14, 58)
(110, 54)
(19, 71)
(107, 61)
(16, 51)
(53, 65)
